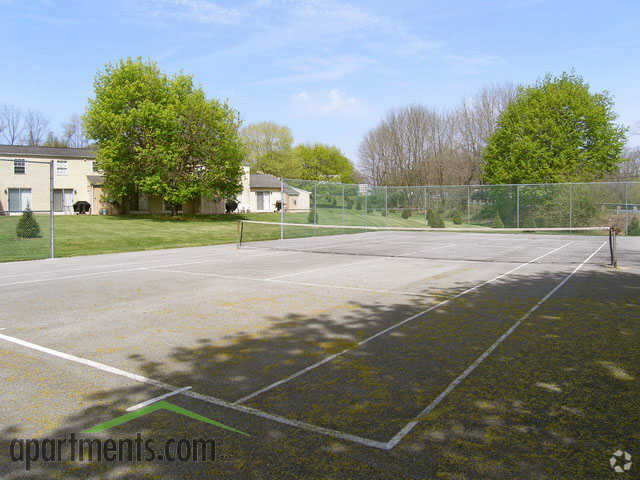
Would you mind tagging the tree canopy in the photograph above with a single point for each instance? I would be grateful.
(269, 150)
(268, 147)
(160, 135)
(555, 131)
(318, 161)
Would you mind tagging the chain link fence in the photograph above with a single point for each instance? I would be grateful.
(565, 205)
(26, 229)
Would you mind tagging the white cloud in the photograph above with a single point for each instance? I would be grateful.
(332, 103)
(200, 11)
(319, 68)
(472, 64)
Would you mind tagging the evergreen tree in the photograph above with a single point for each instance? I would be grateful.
(28, 225)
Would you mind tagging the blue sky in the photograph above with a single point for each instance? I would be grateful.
(329, 70)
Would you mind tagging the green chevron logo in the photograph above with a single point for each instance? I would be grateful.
(161, 405)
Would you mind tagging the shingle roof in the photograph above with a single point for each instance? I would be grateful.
(52, 152)
(95, 179)
(263, 180)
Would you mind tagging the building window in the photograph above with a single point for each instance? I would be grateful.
(19, 167)
(61, 167)
(263, 200)
(63, 200)
(94, 167)
(19, 199)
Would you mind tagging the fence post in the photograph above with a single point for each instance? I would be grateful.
(51, 223)
(386, 210)
(626, 208)
(517, 206)
(315, 204)
(571, 205)
(426, 220)
(281, 209)
(366, 194)
(468, 204)
(343, 219)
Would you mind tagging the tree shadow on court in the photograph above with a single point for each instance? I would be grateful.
(554, 400)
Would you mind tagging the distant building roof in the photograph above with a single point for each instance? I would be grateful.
(95, 179)
(51, 152)
(265, 180)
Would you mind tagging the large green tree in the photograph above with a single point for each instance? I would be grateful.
(322, 162)
(555, 131)
(160, 135)
(268, 146)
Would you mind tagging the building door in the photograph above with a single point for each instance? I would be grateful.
(19, 199)
(63, 200)
(263, 201)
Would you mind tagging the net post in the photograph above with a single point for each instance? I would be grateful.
(281, 209)
(51, 221)
(240, 229)
(612, 246)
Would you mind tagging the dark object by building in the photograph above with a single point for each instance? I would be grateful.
(82, 207)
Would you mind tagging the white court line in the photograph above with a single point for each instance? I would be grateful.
(125, 270)
(361, 262)
(291, 282)
(206, 398)
(409, 426)
(388, 329)
(140, 405)
(142, 265)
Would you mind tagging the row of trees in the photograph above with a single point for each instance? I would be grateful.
(419, 145)
(554, 130)
(18, 127)
(269, 149)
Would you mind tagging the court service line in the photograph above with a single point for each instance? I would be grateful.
(205, 398)
(192, 261)
(361, 262)
(123, 270)
(140, 405)
(388, 329)
(291, 282)
(460, 378)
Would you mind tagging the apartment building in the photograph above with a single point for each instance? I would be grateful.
(25, 183)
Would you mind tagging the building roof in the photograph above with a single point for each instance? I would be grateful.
(95, 179)
(50, 152)
(265, 180)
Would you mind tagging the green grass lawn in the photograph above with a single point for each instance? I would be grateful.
(89, 235)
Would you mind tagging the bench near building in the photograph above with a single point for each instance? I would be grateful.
(25, 183)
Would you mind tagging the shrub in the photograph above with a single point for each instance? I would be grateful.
(358, 203)
(406, 213)
(435, 221)
(497, 222)
(231, 206)
(278, 205)
(28, 225)
(349, 202)
(634, 227)
(457, 218)
(312, 217)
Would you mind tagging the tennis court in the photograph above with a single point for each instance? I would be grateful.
(340, 354)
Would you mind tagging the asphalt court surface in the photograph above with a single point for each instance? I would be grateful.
(339, 343)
